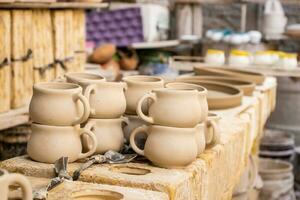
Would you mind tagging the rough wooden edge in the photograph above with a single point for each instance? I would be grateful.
(57, 5)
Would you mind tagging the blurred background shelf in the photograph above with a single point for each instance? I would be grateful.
(263, 1)
(55, 5)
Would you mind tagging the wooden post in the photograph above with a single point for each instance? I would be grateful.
(5, 69)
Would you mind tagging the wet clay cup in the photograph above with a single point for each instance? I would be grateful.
(58, 104)
(108, 132)
(202, 95)
(167, 147)
(49, 143)
(7, 180)
(172, 107)
(137, 87)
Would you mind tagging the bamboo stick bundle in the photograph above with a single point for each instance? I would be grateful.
(58, 40)
(42, 70)
(28, 46)
(48, 44)
(68, 40)
(17, 87)
(79, 39)
(5, 73)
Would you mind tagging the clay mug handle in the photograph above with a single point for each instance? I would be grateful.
(141, 129)
(23, 182)
(93, 146)
(87, 93)
(139, 111)
(216, 133)
(86, 109)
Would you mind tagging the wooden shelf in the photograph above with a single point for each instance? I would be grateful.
(156, 45)
(14, 118)
(263, 1)
(56, 5)
(187, 63)
(204, 1)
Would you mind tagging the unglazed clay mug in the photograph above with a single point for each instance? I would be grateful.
(212, 132)
(202, 95)
(107, 99)
(79, 77)
(58, 104)
(137, 87)
(109, 133)
(167, 147)
(7, 179)
(172, 107)
(49, 143)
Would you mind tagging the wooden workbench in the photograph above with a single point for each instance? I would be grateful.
(212, 176)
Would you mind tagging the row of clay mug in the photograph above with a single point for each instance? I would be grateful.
(107, 99)
(49, 143)
(163, 141)
(175, 106)
(7, 180)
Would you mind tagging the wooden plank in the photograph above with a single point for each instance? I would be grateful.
(79, 38)
(5, 73)
(297, 2)
(204, 1)
(69, 43)
(18, 87)
(14, 118)
(56, 5)
(58, 41)
(28, 47)
(48, 45)
(155, 45)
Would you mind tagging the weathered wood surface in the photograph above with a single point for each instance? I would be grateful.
(5, 69)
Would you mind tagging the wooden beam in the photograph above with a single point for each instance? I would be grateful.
(14, 118)
(56, 5)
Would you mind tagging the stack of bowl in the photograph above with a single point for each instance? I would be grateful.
(278, 179)
(108, 103)
(57, 110)
(277, 144)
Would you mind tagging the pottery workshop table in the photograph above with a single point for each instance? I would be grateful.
(212, 176)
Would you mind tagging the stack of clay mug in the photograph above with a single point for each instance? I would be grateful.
(178, 117)
(137, 87)
(107, 103)
(57, 109)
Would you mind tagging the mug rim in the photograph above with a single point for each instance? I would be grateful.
(61, 87)
(171, 127)
(175, 91)
(82, 77)
(34, 124)
(140, 79)
(104, 120)
(193, 86)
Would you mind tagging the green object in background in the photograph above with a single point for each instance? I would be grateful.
(154, 56)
